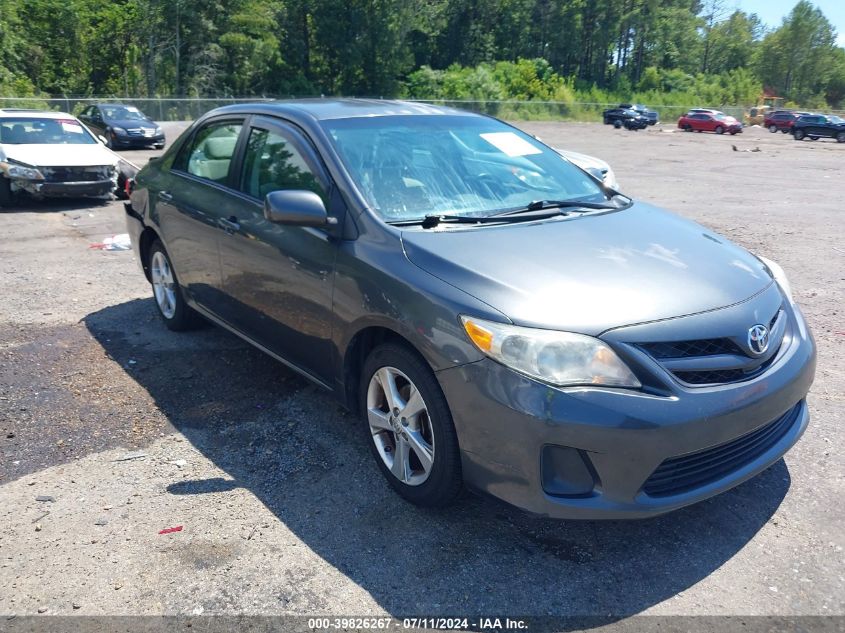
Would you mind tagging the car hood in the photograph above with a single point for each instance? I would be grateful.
(60, 155)
(583, 160)
(131, 123)
(593, 272)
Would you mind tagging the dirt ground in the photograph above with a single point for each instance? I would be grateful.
(123, 429)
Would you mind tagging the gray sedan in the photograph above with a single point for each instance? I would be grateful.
(500, 319)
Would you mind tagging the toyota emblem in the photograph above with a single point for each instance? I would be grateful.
(758, 339)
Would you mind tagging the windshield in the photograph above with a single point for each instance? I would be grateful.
(123, 113)
(37, 131)
(835, 119)
(408, 167)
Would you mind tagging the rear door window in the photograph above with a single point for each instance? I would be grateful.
(209, 153)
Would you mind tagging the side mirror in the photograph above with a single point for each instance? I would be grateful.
(296, 207)
(102, 139)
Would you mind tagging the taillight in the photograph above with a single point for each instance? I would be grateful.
(129, 186)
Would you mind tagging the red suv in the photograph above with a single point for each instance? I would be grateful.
(712, 121)
(782, 120)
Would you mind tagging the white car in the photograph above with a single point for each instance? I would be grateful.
(49, 154)
(595, 166)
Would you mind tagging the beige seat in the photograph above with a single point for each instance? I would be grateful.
(212, 158)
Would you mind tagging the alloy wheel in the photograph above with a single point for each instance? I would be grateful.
(164, 288)
(400, 426)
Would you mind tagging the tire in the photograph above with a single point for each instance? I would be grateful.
(6, 197)
(814, 138)
(617, 124)
(785, 130)
(430, 432)
(606, 121)
(719, 130)
(840, 137)
(170, 302)
(734, 132)
(158, 146)
(687, 127)
(773, 128)
(799, 135)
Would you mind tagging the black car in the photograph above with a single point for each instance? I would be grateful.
(122, 126)
(625, 117)
(650, 115)
(816, 126)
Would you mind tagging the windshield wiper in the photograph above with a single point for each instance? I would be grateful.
(431, 221)
(540, 205)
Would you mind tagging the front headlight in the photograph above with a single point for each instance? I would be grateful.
(779, 276)
(158, 130)
(13, 170)
(118, 130)
(558, 358)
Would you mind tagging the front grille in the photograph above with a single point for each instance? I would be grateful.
(693, 470)
(77, 174)
(742, 366)
(685, 349)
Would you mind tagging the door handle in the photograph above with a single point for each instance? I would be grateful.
(164, 196)
(230, 224)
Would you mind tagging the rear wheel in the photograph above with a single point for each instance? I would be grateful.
(687, 127)
(785, 130)
(719, 129)
(773, 128)
(177, 314)
(814, 138)
(799, 135)
(408, 421)
(617, 124)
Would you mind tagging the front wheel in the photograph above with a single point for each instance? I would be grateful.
(785, 130)
(6, 197)
(840, 137)
(410, 428)
(617, 124)
(719, 129)
(177, 314)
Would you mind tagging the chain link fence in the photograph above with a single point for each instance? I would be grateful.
(188, 109)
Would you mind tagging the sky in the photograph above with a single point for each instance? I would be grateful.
(773, 11)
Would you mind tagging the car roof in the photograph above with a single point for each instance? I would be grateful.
(327, 109)
(34, 114)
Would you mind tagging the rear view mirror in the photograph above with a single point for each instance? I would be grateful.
(296, 207)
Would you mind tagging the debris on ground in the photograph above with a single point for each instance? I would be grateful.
(129, 456)
(118, 242)
(736, 149)
(101, 521)
(45, 498)
(170, 530)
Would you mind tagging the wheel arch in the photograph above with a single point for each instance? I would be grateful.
(145, 242)
(359, 347)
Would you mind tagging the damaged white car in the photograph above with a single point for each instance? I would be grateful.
(52, 154)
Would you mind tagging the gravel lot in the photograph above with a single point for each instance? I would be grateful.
(283, 511)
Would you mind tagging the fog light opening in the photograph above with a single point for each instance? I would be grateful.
(567, 472)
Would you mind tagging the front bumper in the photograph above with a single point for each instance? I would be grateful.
(137, 141)
(84, 189)
(506, 421)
